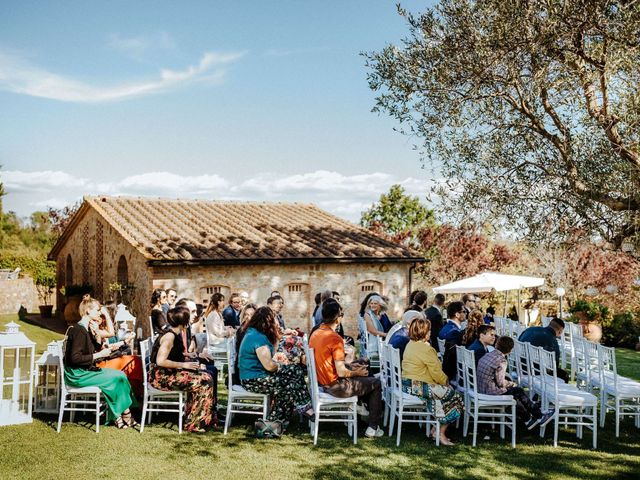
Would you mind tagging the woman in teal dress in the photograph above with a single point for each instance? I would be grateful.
(79, 371)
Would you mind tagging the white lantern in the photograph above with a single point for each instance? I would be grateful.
(592, 291)
(17, 355)
(612, 289)
(124, 318)
(48, 381)
(560, 292)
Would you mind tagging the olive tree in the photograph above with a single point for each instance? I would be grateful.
(528, 110)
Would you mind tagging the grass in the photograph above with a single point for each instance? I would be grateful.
(40, 335)
(36, 451)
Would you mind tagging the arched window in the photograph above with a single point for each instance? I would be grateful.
(123, 271)
(69, 274)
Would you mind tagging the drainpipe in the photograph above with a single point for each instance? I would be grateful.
(410, 285)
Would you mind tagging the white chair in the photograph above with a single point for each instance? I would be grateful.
(218, 351)
(326, 407)
(155, 400)
(572, 406)
(487, 409)
(623, 392)
(368, 344)
(580, 366)
(78, 399)
(521, 357)
(391, 332)
(441, 347)
(592, 369)
(152, 334)
(405, 407)
(240, 400)
(385, 379)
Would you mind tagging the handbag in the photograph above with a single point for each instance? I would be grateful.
(267, 429)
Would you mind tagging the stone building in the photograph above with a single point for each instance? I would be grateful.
(202, 247)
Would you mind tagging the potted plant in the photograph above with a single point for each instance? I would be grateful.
(45, 284)
(73, 295)
(590, 315)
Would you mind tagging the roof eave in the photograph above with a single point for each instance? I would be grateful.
(290, 261)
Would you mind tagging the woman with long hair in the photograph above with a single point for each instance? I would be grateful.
(170, 370)
(217, 333)
(423, 377)
(158, 317)
(470, 333)
(376, 306)
(245, 316)
(80, 371)
(259, 373)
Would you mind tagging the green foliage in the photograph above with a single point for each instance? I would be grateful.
(622, 330)
(593, 310)
(396, 213)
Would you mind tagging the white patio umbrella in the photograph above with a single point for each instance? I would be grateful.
(489, 281)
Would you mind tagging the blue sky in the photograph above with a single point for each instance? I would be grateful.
(226, 100)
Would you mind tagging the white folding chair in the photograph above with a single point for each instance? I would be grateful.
(405, 407)
(385, 379)
(592, 368)
(155, 400)
(78, 399)
(368, 344)
(240, 400)
(486, 409)
(326, 407)
(441, 347)
(618, 393)
(580, 366)
(521, 357)
(391, 332)
(572, 406)
(152, 334)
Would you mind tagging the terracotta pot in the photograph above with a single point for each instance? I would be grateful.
(71, 313)
(46, 311)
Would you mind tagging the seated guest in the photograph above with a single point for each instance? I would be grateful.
(80, 371)
(419, 300)
(103, 336)
(231, 314)
(259, 373)
(492, 380)
(245, 315)
(374, 309)
(451, 333)
(317, 300)
(158, 316)
(335, 376)
(276, 303)
(217, 332)
(170, 370)
(434, 315)
(470, 332)
(324, 296)
(486, 338)
(191, 349)
(488, 318)
(422, 376)
(384, 318)
(400, 339)
(547, 338)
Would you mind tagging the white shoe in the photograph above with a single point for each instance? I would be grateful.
(371, 433)
(362, 410)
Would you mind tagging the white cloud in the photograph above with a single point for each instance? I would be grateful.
(136, 47)
(19, 76)
(343, 195)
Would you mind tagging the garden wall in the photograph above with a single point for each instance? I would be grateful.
(14, 293)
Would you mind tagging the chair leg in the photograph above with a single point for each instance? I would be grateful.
(180, 413)
(603, 407)
(579, 426)
(465, 423)
(502, 426)
(513, 426)
(595, 427)
(316, 426)
(72, 413)
(63, 404)
(355, 425)
(437, 433)
(393, 416)
(399, 427)
(556, 427)
(475, 425)
(617, 412)
(144, 413)
(385, 421)
(227, 419)
(97, 413)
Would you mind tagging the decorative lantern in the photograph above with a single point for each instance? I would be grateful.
(48, 381)
(592, 291)
(612, 289)
(17, 355)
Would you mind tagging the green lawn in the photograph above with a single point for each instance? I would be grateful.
(40, 335)
(36, 451)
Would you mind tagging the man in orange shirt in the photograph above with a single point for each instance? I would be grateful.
(333, 374)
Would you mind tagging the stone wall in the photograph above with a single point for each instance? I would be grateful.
(298, 284)
(14, 293)
(95, 249)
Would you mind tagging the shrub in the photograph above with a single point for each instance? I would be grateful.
(622, 330)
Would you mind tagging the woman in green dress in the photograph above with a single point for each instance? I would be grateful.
(79, 371)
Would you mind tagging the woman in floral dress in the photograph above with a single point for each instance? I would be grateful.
(170, 371)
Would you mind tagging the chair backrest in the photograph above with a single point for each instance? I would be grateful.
(548, 371)
(591, 359)
(145, 354)
(576, 330)
(392, 330)
(460, 365)
(469, 366)
(313, 377)
(521, 357)
(441, 346)
(535, 367)
(607, 366)
(362, 333)
(231, 360)
(545, 321)
(381, 355)
(60, 351)
(386, 366)
(152, 334)
(396, 370)
(579, 356)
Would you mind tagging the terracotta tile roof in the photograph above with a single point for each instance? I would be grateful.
(200, 231)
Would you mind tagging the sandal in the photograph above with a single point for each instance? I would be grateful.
(129, 420)
(121, 424)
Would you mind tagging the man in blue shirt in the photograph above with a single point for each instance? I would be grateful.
(547, 338)
(486, 338)
(451, 333)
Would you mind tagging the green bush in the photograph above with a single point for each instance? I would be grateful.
(36, 266)
(622, 330)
